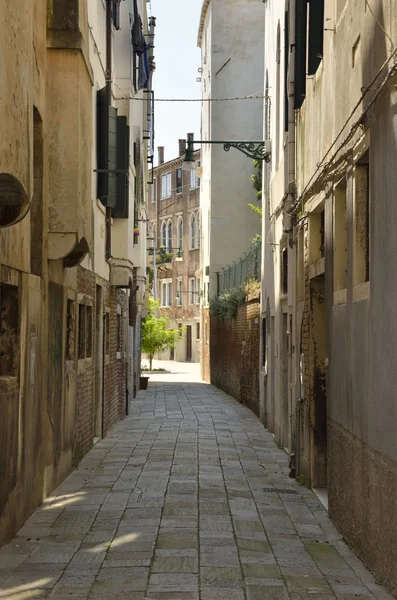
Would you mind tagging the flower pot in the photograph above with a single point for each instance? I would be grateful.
(143, 382)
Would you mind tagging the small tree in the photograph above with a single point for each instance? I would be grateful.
(155, 333)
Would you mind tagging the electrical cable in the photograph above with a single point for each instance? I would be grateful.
(380, 24)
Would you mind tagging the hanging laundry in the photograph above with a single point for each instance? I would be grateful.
(140, 49)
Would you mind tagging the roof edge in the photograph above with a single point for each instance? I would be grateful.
(204, 10)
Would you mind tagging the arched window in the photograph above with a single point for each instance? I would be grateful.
(192, 232)
(164, 234)
(169, 236)
(179, 236)
(198, 234)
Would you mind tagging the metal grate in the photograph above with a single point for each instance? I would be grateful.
(245, 269)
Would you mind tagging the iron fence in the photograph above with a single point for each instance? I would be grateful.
(246, 268)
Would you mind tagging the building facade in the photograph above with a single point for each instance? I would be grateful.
(328, 276)
(175, 240)
(68, 288)
(230, 33)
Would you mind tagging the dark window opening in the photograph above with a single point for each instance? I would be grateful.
(70, 329)
(36, 211)
(197, 331)
(9, 330)
(284, 271)
(286, 66)
(119, 347)
(178, 181)
(82, 331)
(107, 333)
(316, 35)
(89, 332)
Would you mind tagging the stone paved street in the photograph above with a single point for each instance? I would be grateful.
(187, 499)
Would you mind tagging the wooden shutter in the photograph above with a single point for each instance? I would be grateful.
(316, 35)
(286, 67)
(123, 162)
(106, 150)
(300, 52)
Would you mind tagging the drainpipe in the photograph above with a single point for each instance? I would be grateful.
(291, 110)
(108, 249)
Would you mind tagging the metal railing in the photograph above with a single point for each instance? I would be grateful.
(246, 268)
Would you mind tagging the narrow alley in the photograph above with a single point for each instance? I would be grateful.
(187, 498)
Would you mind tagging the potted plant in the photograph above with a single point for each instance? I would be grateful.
(143, 382)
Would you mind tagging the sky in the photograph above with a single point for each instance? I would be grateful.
(177, 60)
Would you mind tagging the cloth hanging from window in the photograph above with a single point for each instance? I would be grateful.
(140, 50)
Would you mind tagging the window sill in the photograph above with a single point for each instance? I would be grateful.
(166, 197)
(340, 297)
(178, 259)
(361, 292)
(317, 268)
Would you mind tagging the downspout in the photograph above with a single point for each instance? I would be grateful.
(294, 457)
(108, 247)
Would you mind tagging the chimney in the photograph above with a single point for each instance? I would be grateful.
(160, 150)
(182, 147)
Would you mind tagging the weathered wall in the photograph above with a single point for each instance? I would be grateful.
(234, 352)
(205, 360)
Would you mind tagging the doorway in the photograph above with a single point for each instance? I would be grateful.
(189, 343)
(318, 410)
(99, 364)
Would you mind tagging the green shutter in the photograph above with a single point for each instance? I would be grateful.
(316, 34)
(123, 163)
(300, 52)
(106, 150)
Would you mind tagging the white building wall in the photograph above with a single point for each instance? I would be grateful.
(230, 40)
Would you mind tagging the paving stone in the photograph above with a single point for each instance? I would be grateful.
(178, 485)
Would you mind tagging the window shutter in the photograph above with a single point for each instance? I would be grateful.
(106, 150)
(123, 162)
(316, 34)
(300, 52)
(286, 67)
(116, 14)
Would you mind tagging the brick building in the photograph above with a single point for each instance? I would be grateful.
(174, 231)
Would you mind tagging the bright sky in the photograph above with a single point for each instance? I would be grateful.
(177, 60)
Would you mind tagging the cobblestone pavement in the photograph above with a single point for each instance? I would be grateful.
(186, 499)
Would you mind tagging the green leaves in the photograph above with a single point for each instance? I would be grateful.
(156, 336)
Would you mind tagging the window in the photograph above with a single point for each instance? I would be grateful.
(179, 237)
(166, 185)
(107, 333)
(308, 54)
(197, 331)
(198, 235)
(179, 180)
(70, 329)
(85, 331)
(198, 283)
(166, 293)
(154, 190)
(179, 292)
(164, 234)
(193, 179)
(340, 236)
(169, 236)
(192, 233)
(118, 332)
(192, 290)
(88, 352)
(284, 271)
(361, 259)
(81, 331)
(9, 330)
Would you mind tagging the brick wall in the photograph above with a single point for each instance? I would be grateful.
(234, 354)
(205, 345)
(115, 368)
(84, 433)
